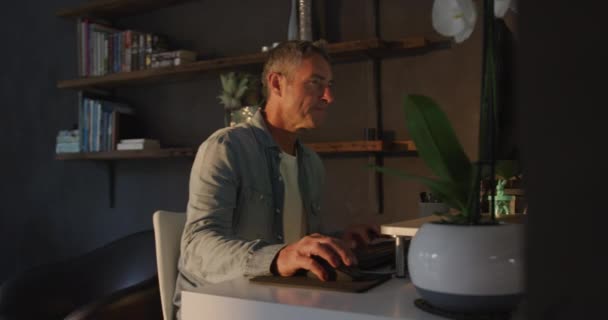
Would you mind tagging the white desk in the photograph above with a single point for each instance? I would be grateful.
(240, 299)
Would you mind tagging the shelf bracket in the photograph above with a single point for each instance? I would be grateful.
(379, 156)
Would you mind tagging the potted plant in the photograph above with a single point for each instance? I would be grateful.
(467, 262)
(241, 96)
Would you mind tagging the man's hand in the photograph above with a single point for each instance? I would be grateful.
(360, 235)
(297, 255)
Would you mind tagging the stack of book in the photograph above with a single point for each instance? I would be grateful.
(138, 144)
(68, 141)
(171, 58)
(103, 49)
(103, 122)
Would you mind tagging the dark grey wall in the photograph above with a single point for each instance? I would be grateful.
(56, 209)
(50, 210)
(562, 94)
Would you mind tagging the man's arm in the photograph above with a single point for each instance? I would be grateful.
(299, 255)
(210, 250)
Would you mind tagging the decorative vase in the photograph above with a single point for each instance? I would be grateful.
(468, 268)
(292, 27)
(305, 19)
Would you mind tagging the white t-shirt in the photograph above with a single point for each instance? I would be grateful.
(293, 211)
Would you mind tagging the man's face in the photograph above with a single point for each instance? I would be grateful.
(308, 93)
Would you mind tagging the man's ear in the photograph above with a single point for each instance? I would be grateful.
(274, 83)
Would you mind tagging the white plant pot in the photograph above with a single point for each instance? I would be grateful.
(466, 268)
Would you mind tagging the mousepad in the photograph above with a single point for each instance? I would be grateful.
(307, 282)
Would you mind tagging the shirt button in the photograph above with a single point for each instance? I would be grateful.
(261, 197)
(280, 178)
(280, 237)
(277, 210)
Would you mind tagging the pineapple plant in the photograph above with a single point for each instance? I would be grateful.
(238, 89)
(241, 96)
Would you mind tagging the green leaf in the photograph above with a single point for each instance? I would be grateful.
(436, 141)
(452, 195)
(242, 87)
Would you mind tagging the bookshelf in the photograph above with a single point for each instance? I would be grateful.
(340, 52)
(128, 154)
(375, 49)
(341, 147)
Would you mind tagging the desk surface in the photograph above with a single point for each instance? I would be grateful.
(241, 299)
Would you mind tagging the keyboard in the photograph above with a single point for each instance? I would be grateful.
(379, 253)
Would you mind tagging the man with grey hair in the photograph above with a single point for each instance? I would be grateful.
(255, 190)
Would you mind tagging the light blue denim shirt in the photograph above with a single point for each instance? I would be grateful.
(234, 222)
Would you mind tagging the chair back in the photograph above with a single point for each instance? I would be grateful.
(168, 227)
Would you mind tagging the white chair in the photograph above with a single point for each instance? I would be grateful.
(168, 227)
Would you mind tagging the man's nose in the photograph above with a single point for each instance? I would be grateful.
(328, 97)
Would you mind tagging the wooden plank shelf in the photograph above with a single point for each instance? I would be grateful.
(128, 154)
(346, 146)
(116, 8)
(362, 146)
(339, 52)
(319, 147)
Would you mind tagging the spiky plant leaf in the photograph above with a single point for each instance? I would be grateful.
(242, 87)
(229, 82)
(436, 141)
(451, 194)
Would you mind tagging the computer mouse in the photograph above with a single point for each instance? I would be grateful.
(340, 273)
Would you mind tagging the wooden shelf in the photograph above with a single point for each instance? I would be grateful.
(339, 52)
(115, 8)
(130, 154)
(319, 147)
(362, 146)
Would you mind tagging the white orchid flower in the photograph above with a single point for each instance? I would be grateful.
(454, 18)
(501, 7)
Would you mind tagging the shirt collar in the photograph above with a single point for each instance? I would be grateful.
(263, 134)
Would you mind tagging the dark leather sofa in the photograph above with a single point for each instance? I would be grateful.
(115, 281)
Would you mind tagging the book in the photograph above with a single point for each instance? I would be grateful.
(121, 125)
(104, 120)
(87, 29)
(67, 147)
(127, 40)
(134, 50)
(154, 44)
(68, 136)
(169, 55)
(169, 63)
(141, 63)
(96, 38)
(138, 140)
(80, 47)
(68, 141)
(147, 144)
